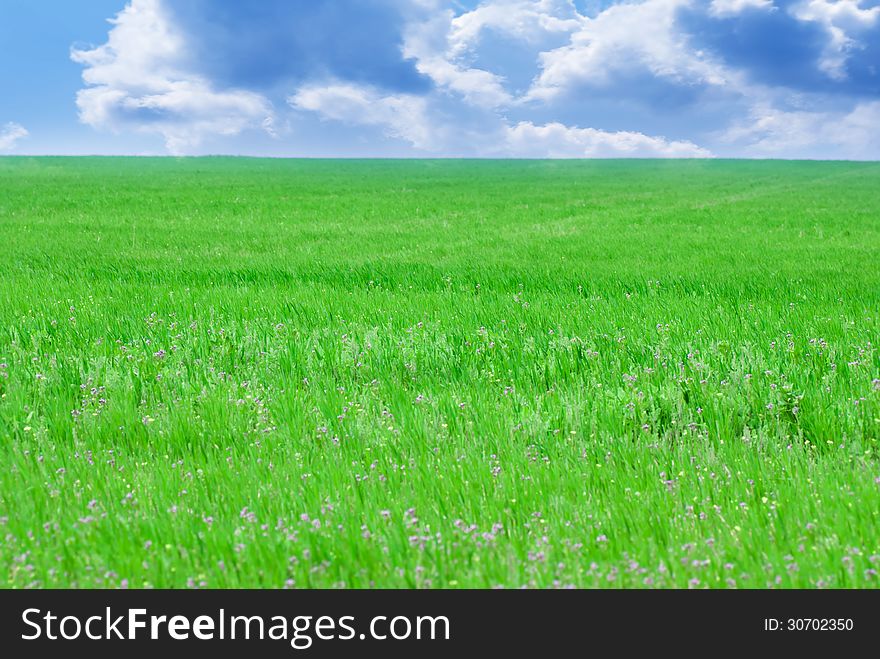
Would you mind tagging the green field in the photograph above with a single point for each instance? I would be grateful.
(273, 373)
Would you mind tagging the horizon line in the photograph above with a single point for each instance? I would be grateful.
(434, 158)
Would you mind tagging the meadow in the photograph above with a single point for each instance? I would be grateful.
(226, 372)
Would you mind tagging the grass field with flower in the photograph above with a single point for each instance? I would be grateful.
(279, 373)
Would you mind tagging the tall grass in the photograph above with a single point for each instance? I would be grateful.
(240, 373)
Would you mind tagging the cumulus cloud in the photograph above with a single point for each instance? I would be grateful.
(445, 45)
(769, 131)
(839, 13)
(640, 37)
(402, 116)
(409, 118)
(139, 80)
(527, 20)
(498, 77)
(845, 21)
(10, 134)
(426, 43)
(556, 140)
(815, 46)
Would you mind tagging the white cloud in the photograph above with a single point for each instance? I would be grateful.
(843, 20)
(443, 44)
(528, 20)
(147, 78)
(624, 37)
(402, 116)
(556, 140)
(139, 79)
(408, 117)
(733, 7)
(426, 43)
(844, 13)
(10, 134)
(476, 86)
(773, 132)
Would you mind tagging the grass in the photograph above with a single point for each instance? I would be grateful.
(254, 373)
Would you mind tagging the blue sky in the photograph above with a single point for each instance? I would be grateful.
(424, 78)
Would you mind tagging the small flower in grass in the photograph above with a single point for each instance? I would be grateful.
(602, 538)
(385, 514)
(159, 354)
